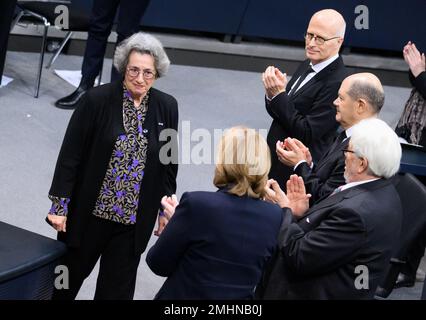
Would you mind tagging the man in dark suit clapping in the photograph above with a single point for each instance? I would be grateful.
(303, 107)
(340, 247)
(361, 96)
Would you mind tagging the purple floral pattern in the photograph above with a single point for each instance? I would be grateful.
(59, 206)
(119, 196)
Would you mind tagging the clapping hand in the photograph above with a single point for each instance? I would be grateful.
(274, 194)
(297, 197)
(274, 81)
(292, 151)
(169, 205)
(414, 59)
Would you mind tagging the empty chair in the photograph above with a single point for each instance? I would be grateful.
(46, 12)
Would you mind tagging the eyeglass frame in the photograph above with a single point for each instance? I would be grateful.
(144, 72)
(351, 151)
(347, 150)
(316, 38)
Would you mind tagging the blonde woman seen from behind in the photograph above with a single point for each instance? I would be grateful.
(216, 243)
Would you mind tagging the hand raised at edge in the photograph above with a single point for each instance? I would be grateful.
(296, 194)
(414, 59)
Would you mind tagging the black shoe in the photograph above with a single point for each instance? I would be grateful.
(404, 281)
(71, 101)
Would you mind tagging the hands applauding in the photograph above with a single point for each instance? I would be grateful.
(414, 59)
(296, 199)
(169, 205)
(274, 81)
(292, 151)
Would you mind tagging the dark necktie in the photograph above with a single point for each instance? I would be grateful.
(341, 137)
(300, 80)
(336, 143)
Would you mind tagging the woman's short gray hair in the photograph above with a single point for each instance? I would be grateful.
(143, 43)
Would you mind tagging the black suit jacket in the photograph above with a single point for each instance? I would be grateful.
(215, 246)
(86, 150)
(419, 82)
(308, 115)
(319, 253)
(326, 175)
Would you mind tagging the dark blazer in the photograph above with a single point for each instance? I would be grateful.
(419, 82)
(308, 115)
(215, 246)
(326, 175)
(404, 131)
(86, 151)
(319, 254)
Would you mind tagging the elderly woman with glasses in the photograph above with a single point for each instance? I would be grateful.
(109, 177)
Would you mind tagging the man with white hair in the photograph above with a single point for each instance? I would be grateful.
(340, 248)
(303, 107)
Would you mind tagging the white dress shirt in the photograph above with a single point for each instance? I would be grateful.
(317, 68)
(357, 183)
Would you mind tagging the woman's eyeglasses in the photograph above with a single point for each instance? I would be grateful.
(135, 72)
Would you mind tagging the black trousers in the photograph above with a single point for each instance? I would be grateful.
(114, 244)
(7, 8)
(101, 22)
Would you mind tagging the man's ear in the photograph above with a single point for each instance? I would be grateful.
(363, 165)
(361, 106)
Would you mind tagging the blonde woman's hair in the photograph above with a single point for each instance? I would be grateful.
(243, 162)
